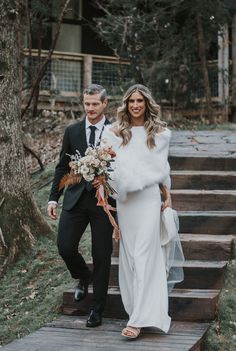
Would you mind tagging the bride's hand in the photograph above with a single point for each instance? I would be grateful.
(166, 203)
(167, 198)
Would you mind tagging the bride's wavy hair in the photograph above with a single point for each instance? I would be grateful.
(152, 119)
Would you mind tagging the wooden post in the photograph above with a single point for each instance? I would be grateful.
(204, 69)
(223, 71)
(234, 68)
(87, 71)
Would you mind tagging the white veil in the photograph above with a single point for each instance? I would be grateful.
(171, 247)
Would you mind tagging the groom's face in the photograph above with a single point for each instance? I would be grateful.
(94, 107)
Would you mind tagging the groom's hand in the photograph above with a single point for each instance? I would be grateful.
(52, 211)
(96, 183)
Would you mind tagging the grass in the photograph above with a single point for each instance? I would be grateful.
(31, 289)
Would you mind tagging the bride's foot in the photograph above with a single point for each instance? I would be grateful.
(131, 332)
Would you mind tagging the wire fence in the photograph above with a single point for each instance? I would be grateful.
(65, 74)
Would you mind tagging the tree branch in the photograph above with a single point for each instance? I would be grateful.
(43, 67)
(35, 155)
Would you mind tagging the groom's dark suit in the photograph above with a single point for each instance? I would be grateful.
(79, 208)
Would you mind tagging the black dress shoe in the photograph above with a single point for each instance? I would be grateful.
(81, 289)
(94, 319)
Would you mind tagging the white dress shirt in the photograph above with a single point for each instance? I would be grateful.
(99, 128)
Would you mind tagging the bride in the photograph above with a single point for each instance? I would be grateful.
(141, 142)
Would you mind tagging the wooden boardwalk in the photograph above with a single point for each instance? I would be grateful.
(70, 334)
(204, 194)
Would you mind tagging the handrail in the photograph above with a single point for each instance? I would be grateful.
(76, 56)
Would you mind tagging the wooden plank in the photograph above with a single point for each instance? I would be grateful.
(207, 247)
(204, 222)
(185, 304)
(208, 222)
(204, 200)
(181, 337)
(192, 162)
(65, 340)
(207, 275)
(203, 180)
(197, 273)
(76, 56)
(79, 322)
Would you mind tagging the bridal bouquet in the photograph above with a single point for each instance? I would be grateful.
(95, 164)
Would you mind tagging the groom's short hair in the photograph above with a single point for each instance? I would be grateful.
(96, 89)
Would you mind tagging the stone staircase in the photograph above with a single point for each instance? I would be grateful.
(204, 193)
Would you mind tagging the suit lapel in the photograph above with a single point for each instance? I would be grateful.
(107, 121)
(82, 138)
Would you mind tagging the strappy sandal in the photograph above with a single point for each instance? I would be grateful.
(133, 332)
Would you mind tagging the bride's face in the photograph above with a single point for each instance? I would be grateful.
(137, 108)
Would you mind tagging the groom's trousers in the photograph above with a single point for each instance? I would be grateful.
(72, 225)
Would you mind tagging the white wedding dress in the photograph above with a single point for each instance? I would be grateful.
(138, 171)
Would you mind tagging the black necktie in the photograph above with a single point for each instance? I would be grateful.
(92, 136)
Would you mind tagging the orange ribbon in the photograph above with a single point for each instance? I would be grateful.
(102, 201)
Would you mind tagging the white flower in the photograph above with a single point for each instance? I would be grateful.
(89, 177)
(84, 170)
(106, 157)
(96, 163)
(88, 151)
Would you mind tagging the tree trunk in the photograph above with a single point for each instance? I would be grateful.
(203, 60)
(234, 69)
(20, 219)
(223, 71)
(37, 90)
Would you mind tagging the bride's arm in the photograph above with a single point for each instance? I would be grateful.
(167, 197)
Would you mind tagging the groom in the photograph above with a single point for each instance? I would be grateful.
(80, 208)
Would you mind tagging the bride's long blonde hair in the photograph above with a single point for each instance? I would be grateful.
(152, 120)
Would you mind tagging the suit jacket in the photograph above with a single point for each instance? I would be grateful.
(74, 139)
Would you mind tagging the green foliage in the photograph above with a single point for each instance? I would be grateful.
(221, 336)
(161, 41)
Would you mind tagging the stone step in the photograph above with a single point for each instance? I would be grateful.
(208, 222)
(204, 200)
(207, 247)
(197, 274)
(184, 304)
(208, 180)
(182, 336)
(203, 275)
(207, 163)
(201, 247)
